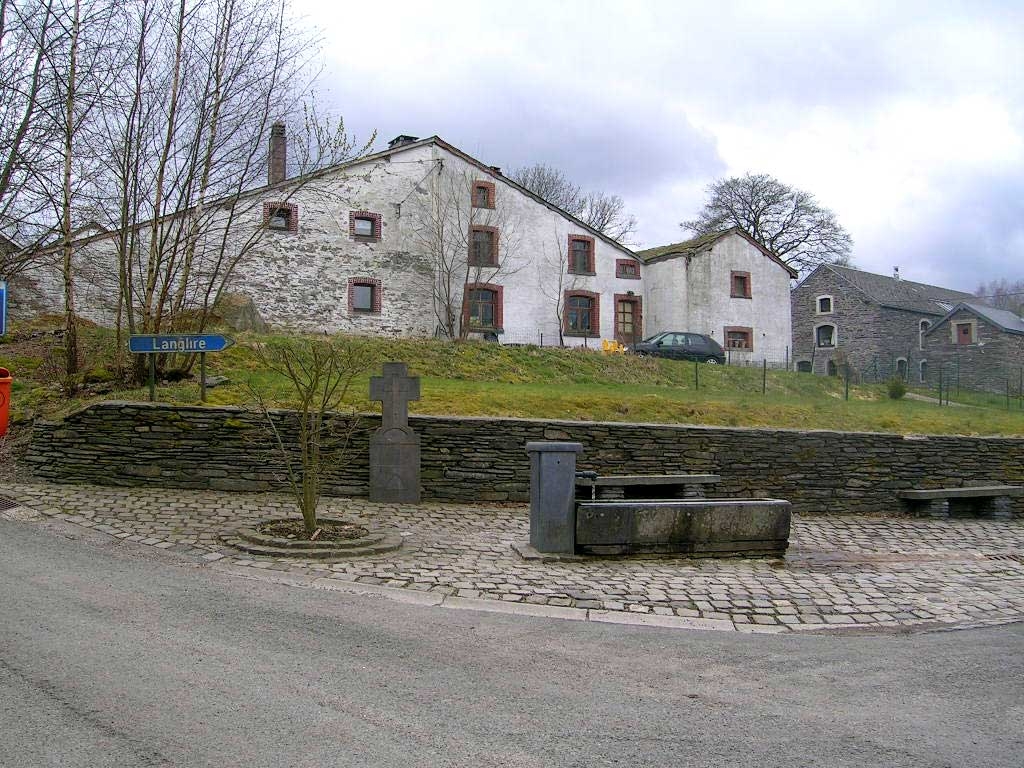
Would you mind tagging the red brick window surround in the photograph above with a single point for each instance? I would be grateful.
(483, 246)
(627, 269)
(364, 295)
(365, 225)
(281, 217)
(739, 285)
(483, 194)
(483, 307)
(581, 314)
(629, 318)
(581, 255)
(738, 337)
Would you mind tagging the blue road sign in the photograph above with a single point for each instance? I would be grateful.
(205, 342)
(3, 307)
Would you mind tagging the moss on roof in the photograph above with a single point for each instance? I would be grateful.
(687, 246)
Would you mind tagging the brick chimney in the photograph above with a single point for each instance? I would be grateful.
(278, 160)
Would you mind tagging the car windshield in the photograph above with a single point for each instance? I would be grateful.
(656, 337)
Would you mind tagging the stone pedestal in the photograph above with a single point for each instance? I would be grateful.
(395, 465)
(552, 496)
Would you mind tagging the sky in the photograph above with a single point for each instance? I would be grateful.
(904, 118)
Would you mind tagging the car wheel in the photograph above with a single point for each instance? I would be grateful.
(711, 361)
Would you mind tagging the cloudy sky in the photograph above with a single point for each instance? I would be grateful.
(905, 118)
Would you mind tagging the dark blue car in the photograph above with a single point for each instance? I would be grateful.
(681, 345)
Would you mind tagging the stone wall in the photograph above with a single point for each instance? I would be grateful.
(466, 459)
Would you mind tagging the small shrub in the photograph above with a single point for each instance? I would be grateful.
(896, 388)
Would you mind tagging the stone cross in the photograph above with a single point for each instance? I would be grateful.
(395, 389)
(395, 448)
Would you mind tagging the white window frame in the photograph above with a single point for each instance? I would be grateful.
(835, 335)
(923, 326)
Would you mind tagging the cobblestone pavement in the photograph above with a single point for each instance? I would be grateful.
(840, 573)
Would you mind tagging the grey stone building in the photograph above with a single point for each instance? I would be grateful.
(976, 347)
(875, 324)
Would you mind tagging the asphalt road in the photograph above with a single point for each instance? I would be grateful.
(112, 654)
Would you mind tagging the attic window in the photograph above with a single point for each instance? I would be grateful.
(824, 305)
(627, 269)
(483, 194)
(283, 217)
(740, 285)
(581, 255)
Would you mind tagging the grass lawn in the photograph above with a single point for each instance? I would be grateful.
(476, 379)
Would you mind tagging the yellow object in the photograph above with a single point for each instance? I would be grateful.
(612, 347)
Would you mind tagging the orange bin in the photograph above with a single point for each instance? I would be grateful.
(5, 399)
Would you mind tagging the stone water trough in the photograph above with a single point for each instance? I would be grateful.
(562, 525)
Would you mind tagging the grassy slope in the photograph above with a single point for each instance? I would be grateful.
(490, 380)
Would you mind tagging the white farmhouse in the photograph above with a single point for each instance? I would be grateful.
(725, 285)
(421, 239)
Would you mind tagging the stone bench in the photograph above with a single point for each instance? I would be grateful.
(710, 527)
(989, 500)
(590, 485)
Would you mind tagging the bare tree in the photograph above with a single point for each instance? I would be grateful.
(1003, 294)
(187, 142)
(555, 280)
(600, 211)
(319, 373)
(785, 220)
(29, 157)
(465, 241)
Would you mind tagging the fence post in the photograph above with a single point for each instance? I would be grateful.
(787, 357)
(696, 375)
(542, 338)
(764, 376)
(846, 371)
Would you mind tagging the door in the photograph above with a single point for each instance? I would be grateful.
(627, 321)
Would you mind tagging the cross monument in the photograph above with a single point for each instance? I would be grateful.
(395, 448)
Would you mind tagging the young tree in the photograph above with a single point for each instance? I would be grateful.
(319, 374)
(463, 241)
(785, 220)
(600, 211)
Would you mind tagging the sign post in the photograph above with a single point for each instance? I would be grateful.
(3, 307)
(195, 343)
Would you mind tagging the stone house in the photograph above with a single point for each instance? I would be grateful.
(875, 324)
(725, 285)
(976, 347)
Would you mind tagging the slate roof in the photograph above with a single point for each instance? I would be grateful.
(901, 294)
(692, 246)
(1005, 319)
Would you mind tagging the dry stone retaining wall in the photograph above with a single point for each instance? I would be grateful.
(467, 459)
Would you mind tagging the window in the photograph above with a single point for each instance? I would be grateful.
(740, 285)
(923, 328)
(482, 307)
(901, 368)
(627, 269)
(825, 335)
(483, 247)
(581, 255)
(283, 217)
(582, 313)
(364, 294)
(923, 378)
(803, 366)
(824, 305)
(483, 194)
(737, 337)
(964, 333)
(364, 225)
